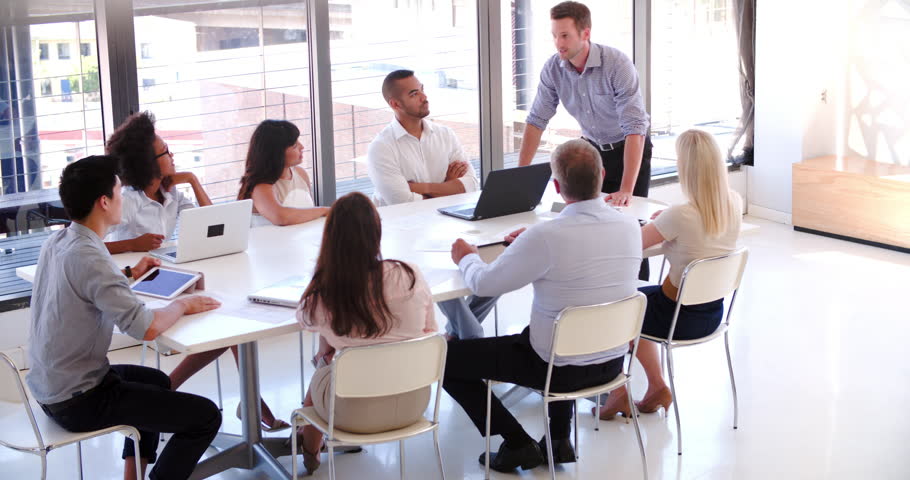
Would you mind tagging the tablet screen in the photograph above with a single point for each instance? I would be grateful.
(163, 282)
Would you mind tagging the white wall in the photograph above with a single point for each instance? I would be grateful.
(790, 39)
(831, 79)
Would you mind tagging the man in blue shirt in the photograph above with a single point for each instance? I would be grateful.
(597, 85)
(79, 294)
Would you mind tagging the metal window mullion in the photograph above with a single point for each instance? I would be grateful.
(489, 39)
(321, 101)
(116, 61)
(641, 47)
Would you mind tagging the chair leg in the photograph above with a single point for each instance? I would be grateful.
(79, 459)
(442, 470)
(302, 368)
(486, 462)
(575, 409)
(732, 382)
(641, 446)
(137, 458)
(675, 401)
(43, 456)
(401, 458)
(496, 319)
(157, 358)
(546, 424)
(331, 451)
(218, 383)
(597, 414)
(142, 353)
(663, 360)
(294, 447)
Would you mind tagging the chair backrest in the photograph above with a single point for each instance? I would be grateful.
(598, 328)
(390, 368)
(709, 279)
(11, 388)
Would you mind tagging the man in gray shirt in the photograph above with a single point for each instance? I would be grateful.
(79, 294)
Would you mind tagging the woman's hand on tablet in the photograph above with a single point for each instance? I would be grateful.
(144, 265)
(198, 303)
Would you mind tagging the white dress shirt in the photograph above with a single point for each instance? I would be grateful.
(588, 255)
(396, 157)
(143, 215)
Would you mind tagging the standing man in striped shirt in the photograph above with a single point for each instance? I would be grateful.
(598, 86)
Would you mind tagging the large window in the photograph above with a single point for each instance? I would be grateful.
(226, 70)
(437, 40)
(695, 78)
(50, 112)
(527, 44)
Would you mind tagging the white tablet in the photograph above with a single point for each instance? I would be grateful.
(164, 283)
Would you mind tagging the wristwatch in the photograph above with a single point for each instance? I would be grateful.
(128, 272)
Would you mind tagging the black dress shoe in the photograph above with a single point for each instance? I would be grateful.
(562, 450)
(508, 459)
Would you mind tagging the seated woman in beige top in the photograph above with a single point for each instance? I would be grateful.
(356, 298)
(273, 178)
(705, 226)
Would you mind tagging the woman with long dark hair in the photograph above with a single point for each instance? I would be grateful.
(273, 178)
(356, 298)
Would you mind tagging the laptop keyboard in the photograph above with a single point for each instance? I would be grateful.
(171, 254)
(466, 211)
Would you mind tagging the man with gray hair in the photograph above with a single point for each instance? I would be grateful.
(573, 265)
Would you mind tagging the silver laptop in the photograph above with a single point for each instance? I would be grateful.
(210, 231)
(285, 293)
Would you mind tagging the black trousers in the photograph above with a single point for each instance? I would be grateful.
(613, 166)
(512, 359)
(142, 397)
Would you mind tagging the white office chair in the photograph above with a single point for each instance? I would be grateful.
(40, 434)
(582, 331)
(705, 280)
(376, 371)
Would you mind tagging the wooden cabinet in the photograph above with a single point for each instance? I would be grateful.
(852, 197)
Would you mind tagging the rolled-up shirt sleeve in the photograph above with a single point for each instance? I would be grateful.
(110, 292)
(384, 172)
(524, 261)
(633, 119)
(547, 99)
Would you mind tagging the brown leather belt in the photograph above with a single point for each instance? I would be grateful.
(605, 147)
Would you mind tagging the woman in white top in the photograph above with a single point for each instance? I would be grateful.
(705, 226)
(356, 298)
(279, 187)
(151, 201)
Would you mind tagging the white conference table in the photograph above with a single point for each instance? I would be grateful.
(413, 232)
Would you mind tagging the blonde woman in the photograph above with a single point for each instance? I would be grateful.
(706, 225)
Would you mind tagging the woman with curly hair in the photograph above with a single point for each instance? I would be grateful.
(151, 201)
(273, 178)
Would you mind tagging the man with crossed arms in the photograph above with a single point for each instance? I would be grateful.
(412, 159)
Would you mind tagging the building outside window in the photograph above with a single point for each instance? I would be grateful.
(229, 67)
(85, 49)
(43, 51)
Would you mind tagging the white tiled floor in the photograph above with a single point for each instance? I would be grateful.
(820, 363)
